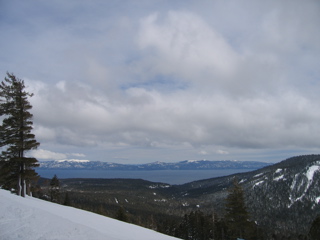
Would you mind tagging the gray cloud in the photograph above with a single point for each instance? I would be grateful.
(156, 81)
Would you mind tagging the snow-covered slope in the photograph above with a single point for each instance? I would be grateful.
(31, 218)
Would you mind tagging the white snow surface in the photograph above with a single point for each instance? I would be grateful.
(34, 219)
(311, 172)
(258, 175)
(278, 170)
(73, 160)
(279, 178)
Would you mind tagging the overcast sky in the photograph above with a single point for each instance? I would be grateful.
(156, 80)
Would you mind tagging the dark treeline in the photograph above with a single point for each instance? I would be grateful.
(233, 225)
(200, 226)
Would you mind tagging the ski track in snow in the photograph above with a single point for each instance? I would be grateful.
(34, 219)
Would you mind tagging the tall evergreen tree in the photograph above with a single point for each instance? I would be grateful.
(237, 216)
(55, 189)
(196, 226)
(67, 201)
(121, 215)
(15, 136)
(314, 232)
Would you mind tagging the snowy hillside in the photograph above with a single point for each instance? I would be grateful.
(31, 218)
(283, 198)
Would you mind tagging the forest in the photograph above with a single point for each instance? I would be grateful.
(159, 207)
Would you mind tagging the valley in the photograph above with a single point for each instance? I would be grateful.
(283, 199)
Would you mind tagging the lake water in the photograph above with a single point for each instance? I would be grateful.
(164, 176)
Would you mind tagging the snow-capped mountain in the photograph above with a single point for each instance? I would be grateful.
(291, 188)
(183, 165)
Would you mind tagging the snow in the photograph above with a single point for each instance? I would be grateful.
(192, 161)
(309, 175)
(34, 219)
(278, 170)
(258, 183)
(294, 182)
(242, 180)
(160, 200)
(311, 172)
(279, 178)
(258, 175)
(73, 160)
(159, 186)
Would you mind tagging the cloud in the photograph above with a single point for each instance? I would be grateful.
(184, 45)
(42, 154)
(125, 82)
(79, 116)
(76, 154)
(188, 53)
(222, 152)
(47, 155)
(203, 152)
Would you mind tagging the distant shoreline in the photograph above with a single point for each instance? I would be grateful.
(177, 176)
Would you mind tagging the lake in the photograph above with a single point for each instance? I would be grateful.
(164, 176)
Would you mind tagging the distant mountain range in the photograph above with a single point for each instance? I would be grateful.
(74, 164)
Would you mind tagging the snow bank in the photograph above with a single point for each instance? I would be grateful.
(31, 218)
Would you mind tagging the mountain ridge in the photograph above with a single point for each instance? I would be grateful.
(281, 191)
(182, 165)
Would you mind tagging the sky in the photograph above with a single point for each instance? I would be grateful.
(150, 80)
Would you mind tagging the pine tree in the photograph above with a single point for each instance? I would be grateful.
(237, 216)
(121, 215)
(67, 201)
(55, 189)
(16, 137)
(196, 226)
(314, 232)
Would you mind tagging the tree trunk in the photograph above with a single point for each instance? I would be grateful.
(23, 181)
(28, 191)
(19, 185)
(23, 188)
